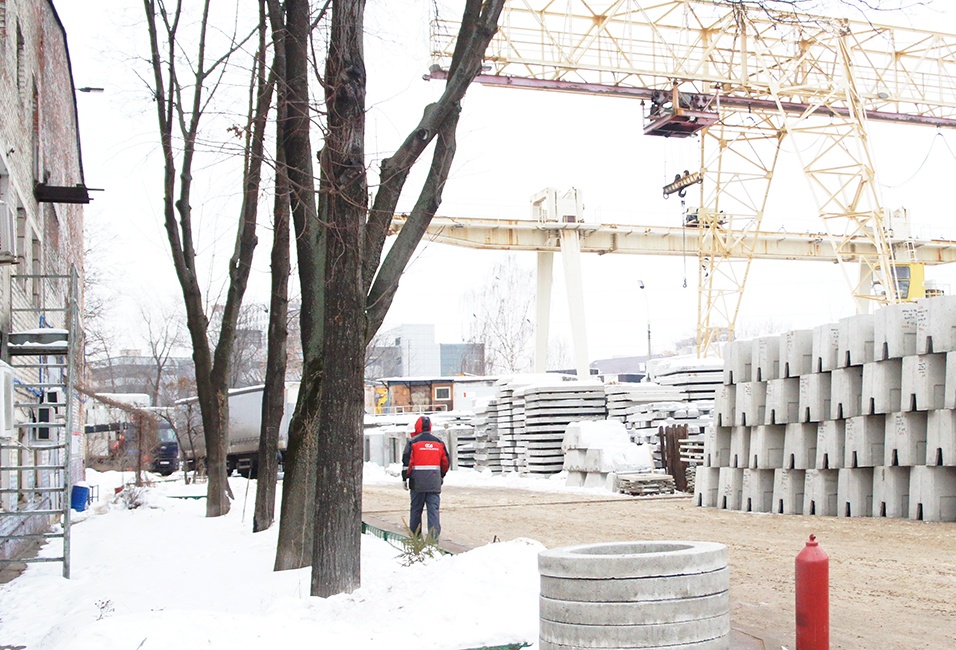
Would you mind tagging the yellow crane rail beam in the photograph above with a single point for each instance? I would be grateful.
(545, 236)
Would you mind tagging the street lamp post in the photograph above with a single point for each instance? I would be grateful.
(647, 306)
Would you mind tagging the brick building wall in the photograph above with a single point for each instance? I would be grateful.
(39, 144)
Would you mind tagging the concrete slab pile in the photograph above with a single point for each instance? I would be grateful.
(855, 419)
(548, 410)
(487, 455)
(697, 379)
(622, 397)
(645, 420)
(510, 455)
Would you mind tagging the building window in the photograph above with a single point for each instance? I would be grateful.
(21, 59)
(442, 393)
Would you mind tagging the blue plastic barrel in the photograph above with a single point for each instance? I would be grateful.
(79, 497)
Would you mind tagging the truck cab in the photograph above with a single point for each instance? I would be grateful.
(165, 455)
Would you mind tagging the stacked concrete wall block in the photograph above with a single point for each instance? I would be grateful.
(751, 403)
(923, 386)
(814, 399)
(846, 392)
(826, 344)
(730, 483)
(508, 448)
(782, 404)
(891, 492)
(894, 330)
(767, 445)
(941, 437)
(936, 330)
(855, 492)
(820, 491)
(800, 446)
(725, 404)
(855, 418)
(796, 353)
(905, 439)
(949, 399)
(855, 345)
(865, 440)
(765, 358)
(831, 444)
(932, 493)
(788, 487)
(706, 483)
(882, 381)
(739, 362)
(717, 442)
(757, 490)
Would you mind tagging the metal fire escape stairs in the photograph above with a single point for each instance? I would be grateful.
(37, 445)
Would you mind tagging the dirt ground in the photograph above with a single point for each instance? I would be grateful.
(892, 581)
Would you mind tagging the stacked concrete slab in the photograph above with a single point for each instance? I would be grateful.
(487, 454)
(698, 379)
(508, 423)
(548, 409)
(621, 398)
(645, 420)
(854, 418)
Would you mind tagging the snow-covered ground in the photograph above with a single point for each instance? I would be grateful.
(165, 576)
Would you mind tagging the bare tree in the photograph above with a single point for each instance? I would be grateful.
(502, 318)
(347, 306)
(98, 319)
(273, 394)
(181, 103)
(163, 335)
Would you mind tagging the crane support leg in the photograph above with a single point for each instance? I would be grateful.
(571, 254)
(543, 310)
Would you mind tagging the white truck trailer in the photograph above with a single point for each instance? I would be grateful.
(245, 426)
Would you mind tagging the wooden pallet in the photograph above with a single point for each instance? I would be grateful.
(645, 484)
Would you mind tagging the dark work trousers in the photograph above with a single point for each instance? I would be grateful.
(431, 501)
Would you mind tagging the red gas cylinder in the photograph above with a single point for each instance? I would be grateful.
(812, 570)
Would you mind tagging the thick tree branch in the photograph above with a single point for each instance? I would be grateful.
(386, 281)
(479, 25)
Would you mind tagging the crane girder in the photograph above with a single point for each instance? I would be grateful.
(743, 77)
(537, 236)
(751, 57)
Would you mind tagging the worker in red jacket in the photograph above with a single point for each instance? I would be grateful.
(424, 465)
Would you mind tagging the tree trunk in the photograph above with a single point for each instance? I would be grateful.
(176, 106)
(294, 549)
(273, 394)
(334, 293)
(336, 558)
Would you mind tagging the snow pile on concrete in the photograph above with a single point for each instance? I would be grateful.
(595, 452)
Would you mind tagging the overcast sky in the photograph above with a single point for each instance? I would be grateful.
(511, 145)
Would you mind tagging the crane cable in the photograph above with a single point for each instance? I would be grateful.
(939, 135)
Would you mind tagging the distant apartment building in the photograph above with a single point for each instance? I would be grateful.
(411, 351)
(134, 372)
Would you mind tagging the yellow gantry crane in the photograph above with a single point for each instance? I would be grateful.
(744, 79)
